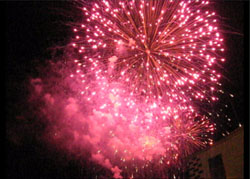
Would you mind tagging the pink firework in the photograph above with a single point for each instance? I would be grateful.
(142, 71)
(156, 48)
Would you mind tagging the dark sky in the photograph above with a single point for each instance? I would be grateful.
(33, 27)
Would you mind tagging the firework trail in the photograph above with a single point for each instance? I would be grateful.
(140, 74)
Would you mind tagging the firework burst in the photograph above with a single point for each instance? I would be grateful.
(156, 46)
(142, 70)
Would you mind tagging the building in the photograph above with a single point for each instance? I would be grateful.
(223, 160)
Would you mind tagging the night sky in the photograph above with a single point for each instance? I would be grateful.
(32, 28)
